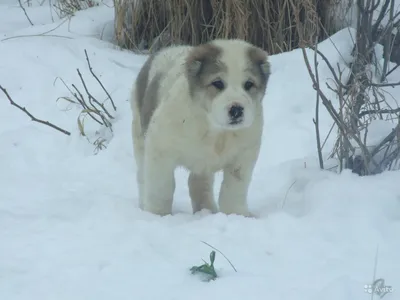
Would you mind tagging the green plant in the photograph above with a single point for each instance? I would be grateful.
(207, 270)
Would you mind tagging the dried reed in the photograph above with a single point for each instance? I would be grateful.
(148, 25)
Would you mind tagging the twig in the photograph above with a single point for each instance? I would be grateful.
(58, 26)
(327, 136)
(42, 34)
(325, 59)
(379, 111)
(316, 120)
(287, 193)
(91, 97)
(26, 14)
(392, 70)
(79, 97)
(81, 100)
(51, 10)
(30, 115)
(391, 84)
(98, 80)
(327, 103)
(37, 35)
(90, 106)
(388, 138)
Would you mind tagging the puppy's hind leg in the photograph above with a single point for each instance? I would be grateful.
(201, 192)
(138, 151)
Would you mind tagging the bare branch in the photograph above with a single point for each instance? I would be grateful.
(78, 95)
(316, 120)
(43, 34)
(30, 115)
(390, 84)
(93, 108)
(26, 14)
(380, 17)
(379, 111)
(337, 80)
(392, 70)
(91, 97)
(98, 80)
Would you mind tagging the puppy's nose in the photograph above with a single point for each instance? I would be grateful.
(236, 112)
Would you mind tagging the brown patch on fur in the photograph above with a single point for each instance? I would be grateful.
(259, 66)
(236, 173)
(150, 102)
(201, 65)
(142, 82)
(219, 146)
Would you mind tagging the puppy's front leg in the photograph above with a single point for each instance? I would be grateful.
(201, 192)
(235, 185)
(159, 183)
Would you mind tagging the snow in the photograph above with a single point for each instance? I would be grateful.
(70, 227)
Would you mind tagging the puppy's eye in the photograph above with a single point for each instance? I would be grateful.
(218, 84)
(248, 85)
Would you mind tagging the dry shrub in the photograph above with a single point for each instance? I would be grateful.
(363, 95)
(70, 7)
(152, 24)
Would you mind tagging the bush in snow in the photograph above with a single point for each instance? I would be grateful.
(92, 109)
(363, 91)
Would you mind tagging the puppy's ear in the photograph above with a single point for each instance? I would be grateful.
(193, 67)
(259, 57)
(266, 68)
(198, 56)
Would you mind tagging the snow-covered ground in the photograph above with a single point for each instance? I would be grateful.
(69, 223)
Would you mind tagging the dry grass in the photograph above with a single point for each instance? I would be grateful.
(152, 24)
(70, 7)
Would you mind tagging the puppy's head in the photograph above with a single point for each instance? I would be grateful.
(228, 78)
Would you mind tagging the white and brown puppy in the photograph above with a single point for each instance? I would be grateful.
(199, 108)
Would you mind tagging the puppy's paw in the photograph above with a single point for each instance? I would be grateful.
(156, 210)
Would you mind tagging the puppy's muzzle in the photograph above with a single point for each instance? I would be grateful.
(236, 113)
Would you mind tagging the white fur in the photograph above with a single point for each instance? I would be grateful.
(196, 134)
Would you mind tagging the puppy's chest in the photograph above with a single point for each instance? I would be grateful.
(210, 153)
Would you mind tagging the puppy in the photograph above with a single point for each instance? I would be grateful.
(199, 107)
